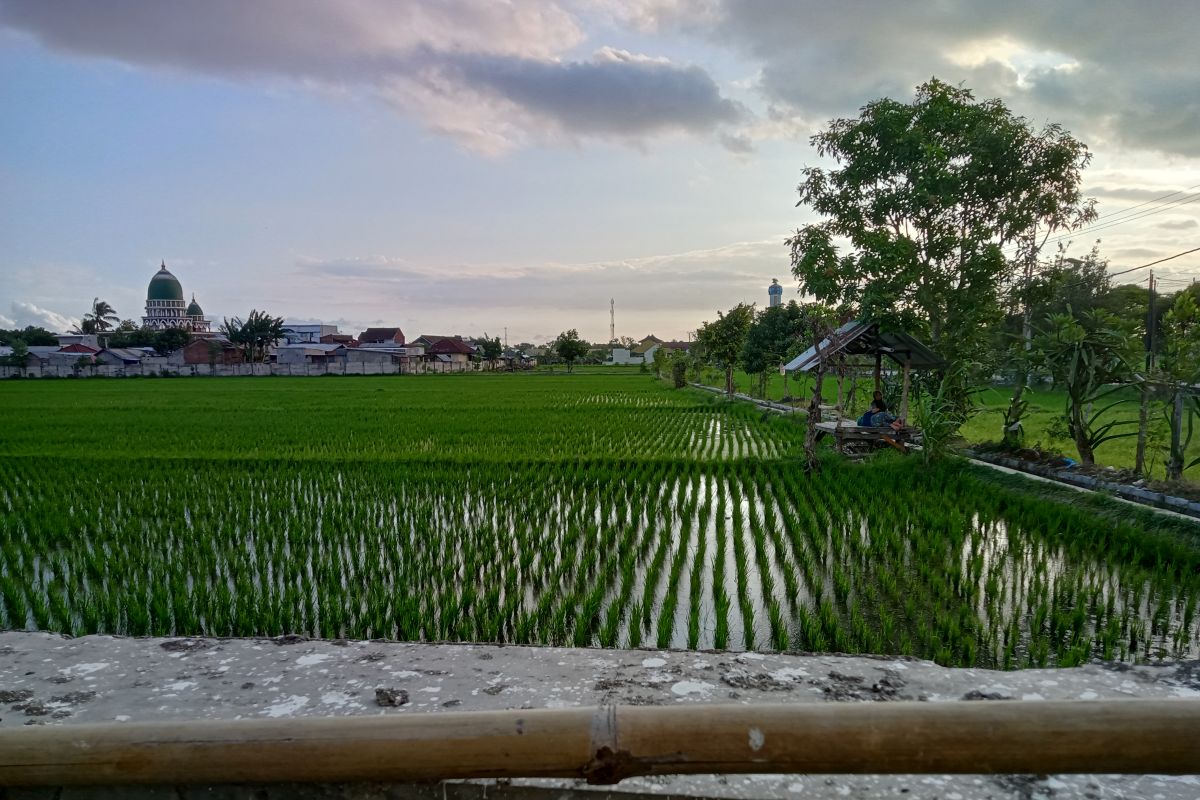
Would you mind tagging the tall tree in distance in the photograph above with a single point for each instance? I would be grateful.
(102, 316)
(722, 341)
(772, 337)
(492, 350)
(570, 348)
(928, 195)
(255, 335)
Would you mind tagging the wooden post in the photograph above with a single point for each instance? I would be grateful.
(904, 393)
(607, 744)
(878, 371)
(841, 373)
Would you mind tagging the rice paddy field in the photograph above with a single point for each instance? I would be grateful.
(588, 510)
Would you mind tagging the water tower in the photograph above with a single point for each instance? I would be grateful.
(775, 293)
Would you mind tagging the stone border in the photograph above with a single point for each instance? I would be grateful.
(1133, 494)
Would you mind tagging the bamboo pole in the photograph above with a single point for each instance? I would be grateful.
(904, 394)
(607, 744)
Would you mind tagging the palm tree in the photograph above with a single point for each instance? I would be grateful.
(102, 316)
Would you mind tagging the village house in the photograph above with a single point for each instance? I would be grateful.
(381, 337)
(451, 351)
(124, 356)
(311, 353)
(212, 351)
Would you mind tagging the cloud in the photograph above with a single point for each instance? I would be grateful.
(7, 322)
(492, 75)
(1178, 224)
(1111, 71)
(28, 314)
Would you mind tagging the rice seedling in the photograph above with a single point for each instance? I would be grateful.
(594, 510)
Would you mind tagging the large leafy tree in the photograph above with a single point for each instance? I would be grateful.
(492, 349)
(570, 348)
(722, 340)
(924, 201)
(255, 334)
(30, 335)
(169, 340)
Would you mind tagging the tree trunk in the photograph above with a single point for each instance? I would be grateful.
(814, 416)
(1139, 462)
(729, 382)
(1079, 434)
(1010, 436)
(1175, 464)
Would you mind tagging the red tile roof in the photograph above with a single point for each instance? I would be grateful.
(449, 345)
(379, 335)
(78, 348)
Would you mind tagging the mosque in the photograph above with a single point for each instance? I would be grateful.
(165, 307)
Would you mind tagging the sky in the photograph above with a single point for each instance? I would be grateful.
(509, 166)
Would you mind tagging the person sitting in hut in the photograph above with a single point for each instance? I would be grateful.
(867, 420)
(877, 416)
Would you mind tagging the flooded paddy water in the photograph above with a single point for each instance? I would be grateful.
(700, 531)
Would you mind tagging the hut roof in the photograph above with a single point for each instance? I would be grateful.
(861, 337)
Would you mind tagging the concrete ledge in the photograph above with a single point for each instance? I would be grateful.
(1133, 494)
(46, 679)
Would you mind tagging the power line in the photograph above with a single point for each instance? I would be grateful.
(1152, 263)
(1123, 216)
(1114, 223)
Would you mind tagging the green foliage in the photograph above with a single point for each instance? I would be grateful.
(31, 335)
(679, 370)
(100, 318)
(927, 193)
(1089, 358)
(169, 340)
(257, 333)
(19, 355)
(570, 348)
(940, 415)
(722, 341)
(492, 349)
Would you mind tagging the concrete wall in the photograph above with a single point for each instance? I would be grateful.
(51, 680)
(235, 370)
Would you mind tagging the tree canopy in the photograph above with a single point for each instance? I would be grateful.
(570, 348)
(926, 197)
(722, 340)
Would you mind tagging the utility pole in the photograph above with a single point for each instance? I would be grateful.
(612, 320)
(1150, 326)
(505, 337)
(1139, 459)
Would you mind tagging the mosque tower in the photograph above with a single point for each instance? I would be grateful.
(166, 308)
(775, 293)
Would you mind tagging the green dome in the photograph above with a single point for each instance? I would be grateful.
(164, 286)
(193, 309)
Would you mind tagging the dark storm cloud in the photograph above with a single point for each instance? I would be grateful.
(615, 92)
(490, 74)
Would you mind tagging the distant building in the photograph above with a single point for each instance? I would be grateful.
(774, 293)
(387, 337)
(310, 353)
(298, 332)
(213, 350)
(449, 350)
(165, 307)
